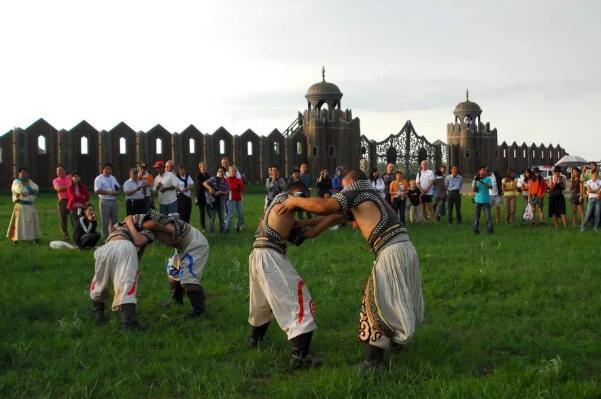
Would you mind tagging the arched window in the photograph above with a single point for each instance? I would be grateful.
(558, 154)
(524, 154)
(550, 154)
(158, 143)
(83, 146)
(122, 146)
(41, 145)
(467, 153)
(515, 153)
(276, 148)
(221, 147)
(314, 151)
(299, 148)
(191, 146)
(542, 154)
(533, 153)
(504, 153)
(331, 151)
(249, 148)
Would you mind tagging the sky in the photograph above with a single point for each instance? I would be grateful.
(533, 67)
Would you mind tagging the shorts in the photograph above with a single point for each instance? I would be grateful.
(496, 200)
(425, 199)
(576, 200)
(537, 201)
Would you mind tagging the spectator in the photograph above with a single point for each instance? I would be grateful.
(481, 185)
(148, 182)
(274, 185)
(537, 187)
(61, 183)
(510, 194)
(77, 197)
(201, 193)
(324, 184)
(225, 164)
(185, 185)
(294, 177)
(170, 167)
(557, 202)
(377, 183)
(337, 180)
(219, 190)
(495, 194)
(424, 182)
(388, 178)
(398, 195)
(306, 177)
(440, 194)
(24, 223)
(135, 203)
(453, 183)
(236, 188)
(576, 196)
(85, 235)
(106, 186)
(414, 194)
(165, 185)
(587, 172)
(524, 187)
(593, 208)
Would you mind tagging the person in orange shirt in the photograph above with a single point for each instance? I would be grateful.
(147, 181)
(537, 187)
(398, 195)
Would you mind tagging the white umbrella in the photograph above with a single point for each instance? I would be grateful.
(570, 161)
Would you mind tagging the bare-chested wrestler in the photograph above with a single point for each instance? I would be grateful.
(392, 304)
(276, 289)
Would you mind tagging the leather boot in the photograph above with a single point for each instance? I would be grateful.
(257, 334)
(374, 358)
(300, 352)
(98, 313)
(177, 294)
(129, 319)
(196, 296)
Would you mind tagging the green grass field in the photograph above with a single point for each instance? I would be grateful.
(514, 314)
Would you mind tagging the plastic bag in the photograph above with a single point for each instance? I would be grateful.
(528, 214)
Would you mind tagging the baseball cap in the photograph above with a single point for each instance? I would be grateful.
(159, 164)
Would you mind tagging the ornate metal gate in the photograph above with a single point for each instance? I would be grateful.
(406, 150)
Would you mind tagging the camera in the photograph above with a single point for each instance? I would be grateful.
(477, 177)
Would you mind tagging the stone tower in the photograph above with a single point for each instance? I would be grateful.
(471, 143)
(333, 135)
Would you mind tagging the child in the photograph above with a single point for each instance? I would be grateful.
(414, 195)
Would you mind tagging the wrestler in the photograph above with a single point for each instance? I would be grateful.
(186, 266)
(392, 304)
(116, 263)
(276, 289)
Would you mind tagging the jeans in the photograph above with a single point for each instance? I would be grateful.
(486, 208)
(400, 205)
(63, 214)
(109, 213)
(169, 209)
(217, 209)
(454, 200)
(231, 205)
(592, 209)
(440, 205)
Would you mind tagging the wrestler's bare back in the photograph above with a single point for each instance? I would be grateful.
(280, 223)
(366, 215)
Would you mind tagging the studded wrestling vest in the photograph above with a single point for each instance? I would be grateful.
(389, 225)
(181, 228)
(120, 229)
(266, 237)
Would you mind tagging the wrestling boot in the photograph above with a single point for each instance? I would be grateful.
(374, 358)
(256, 335)
(196, 296)
(98, 313)
(300, 352)
(177, 294)
(129, 319)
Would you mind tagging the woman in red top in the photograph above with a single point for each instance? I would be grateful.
(236, 186)
(77, 197)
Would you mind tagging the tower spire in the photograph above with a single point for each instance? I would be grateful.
(323, 73)
(467, 95)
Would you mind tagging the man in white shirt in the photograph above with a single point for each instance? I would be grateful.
(106, 186)
(134, 194)
(165, 184)
(425, 182)
(593, 209)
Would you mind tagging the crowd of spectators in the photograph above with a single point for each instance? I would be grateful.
(431, 196)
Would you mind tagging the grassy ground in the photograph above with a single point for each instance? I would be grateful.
(515, 314)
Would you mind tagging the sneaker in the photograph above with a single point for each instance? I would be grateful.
(582, 228)
(297, 362)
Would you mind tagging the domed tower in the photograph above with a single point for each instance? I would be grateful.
(471, 143)
(333, 135)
